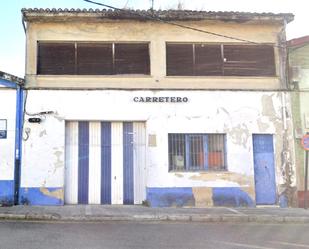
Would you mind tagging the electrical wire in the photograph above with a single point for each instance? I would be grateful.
(156, 18)
(125, 6)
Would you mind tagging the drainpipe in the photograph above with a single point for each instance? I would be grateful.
(18, 140)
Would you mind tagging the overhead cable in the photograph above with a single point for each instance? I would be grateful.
(156, 18)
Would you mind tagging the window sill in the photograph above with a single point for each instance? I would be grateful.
(93, 76)
(221, 77)
(200, 171)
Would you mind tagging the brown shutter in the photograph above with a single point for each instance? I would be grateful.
(179, 59)
(249, 60)
(94, 59)
(56, 58)
(132, 58)
(208, 60)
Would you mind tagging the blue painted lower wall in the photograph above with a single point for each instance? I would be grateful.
(179, 197)
(231, 197)
(41, 196)
(6, 192)
(169, 197)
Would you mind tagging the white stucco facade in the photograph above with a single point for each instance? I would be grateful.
(7, 145)
(237, 114)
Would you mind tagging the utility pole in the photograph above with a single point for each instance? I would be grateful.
(152, 3)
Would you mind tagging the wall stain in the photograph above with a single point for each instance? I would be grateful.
(250, 191)
(179, 175)
(222, 109)
(42, 133)
(59, 118)
(59, 162)
(263, 126)
(268, 108)
(240, 134)
(241, 179)
(202, 196)
(59, 193)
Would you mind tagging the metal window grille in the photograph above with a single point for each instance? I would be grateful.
(196, 152)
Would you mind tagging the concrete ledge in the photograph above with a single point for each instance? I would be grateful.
(163, 218)
(100, 213)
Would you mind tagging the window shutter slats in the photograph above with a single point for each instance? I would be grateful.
(94, 59)
(56, 58)
(251, 60)
(208, 60)
(132, 58)
(79, 58)
(179, 59)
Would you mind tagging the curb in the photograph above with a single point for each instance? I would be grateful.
(161, 217)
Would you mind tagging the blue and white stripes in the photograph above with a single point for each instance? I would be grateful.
(83, 162)
(105, 163)
(106, 171)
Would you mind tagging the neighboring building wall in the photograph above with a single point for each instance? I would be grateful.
(299, 60)
(7, 145)
(238, 114)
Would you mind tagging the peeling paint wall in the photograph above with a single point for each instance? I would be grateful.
(238, 114)
(300, 58)
(7, 146)
(43, 157)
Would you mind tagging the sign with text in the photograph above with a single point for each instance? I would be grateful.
(139, 99)
(305, 142)
(3, 129)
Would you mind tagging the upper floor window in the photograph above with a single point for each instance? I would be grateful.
(219, 60)
(79, 58)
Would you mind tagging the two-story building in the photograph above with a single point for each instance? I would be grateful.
(165, 108)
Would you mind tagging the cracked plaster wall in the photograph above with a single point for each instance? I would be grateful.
(238, 114)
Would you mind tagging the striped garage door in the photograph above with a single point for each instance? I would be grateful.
(105, 163)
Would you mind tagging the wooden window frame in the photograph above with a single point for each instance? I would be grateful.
(269, 70)
(146, 70)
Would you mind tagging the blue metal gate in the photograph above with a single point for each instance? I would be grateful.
(105, 162)
(264, 169)
(83, 162)
(128, 174)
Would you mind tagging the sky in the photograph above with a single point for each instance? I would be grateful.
(12, 37)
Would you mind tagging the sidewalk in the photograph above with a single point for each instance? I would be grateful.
(140, 213)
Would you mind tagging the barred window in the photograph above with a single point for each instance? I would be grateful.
(97, 58)
(196, 152)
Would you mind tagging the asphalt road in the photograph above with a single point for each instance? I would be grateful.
(118, 235)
